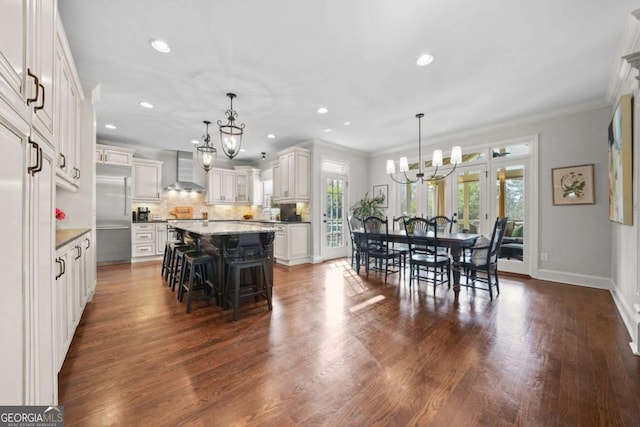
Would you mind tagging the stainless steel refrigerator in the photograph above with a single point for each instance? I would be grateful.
(113, 213)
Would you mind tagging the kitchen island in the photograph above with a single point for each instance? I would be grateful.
(221, 239)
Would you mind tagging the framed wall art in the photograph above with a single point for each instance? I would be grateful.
(621, 163)
(573, 185)
(382, 190)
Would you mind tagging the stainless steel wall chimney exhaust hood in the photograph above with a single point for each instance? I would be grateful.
(185, 174)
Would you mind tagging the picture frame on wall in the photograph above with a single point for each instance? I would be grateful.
(621, 162)
(382, 190)
(573, 185)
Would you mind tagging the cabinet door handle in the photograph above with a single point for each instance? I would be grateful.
(37, 83)
(88, 243)
(41, 106)
(64, 267)
(64, 161)
(79, 249)
(33, 169)
(59, 274)
(39, 168)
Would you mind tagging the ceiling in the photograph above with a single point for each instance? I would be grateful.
(495, 61)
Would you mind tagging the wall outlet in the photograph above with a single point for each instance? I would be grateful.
(544, 256)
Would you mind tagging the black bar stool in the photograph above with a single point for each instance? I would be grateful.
(201, 268)
(254, 259)
(167, 259)
(177, 264)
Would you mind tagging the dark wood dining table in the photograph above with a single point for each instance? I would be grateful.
(454, 241)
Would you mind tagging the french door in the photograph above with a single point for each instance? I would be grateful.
(334, 229)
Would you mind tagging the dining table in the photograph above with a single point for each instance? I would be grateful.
(455, 241)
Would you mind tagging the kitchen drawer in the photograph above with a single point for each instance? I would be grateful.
(144, 236)
(143, 227)
(144, 250)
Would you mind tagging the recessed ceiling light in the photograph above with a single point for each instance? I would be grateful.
(327, 130)
(195, 141)
(347, 123)
(146, 104)
(424, 59)
(322, 110)
(271, 136)
(160, 46)
(242, 150)
(110, 126)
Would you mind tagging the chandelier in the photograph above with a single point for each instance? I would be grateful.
(230, 134)
(437, 161)
(206, 153)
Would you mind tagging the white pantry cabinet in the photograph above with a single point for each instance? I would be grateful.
(146, 182)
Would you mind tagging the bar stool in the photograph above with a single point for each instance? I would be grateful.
(167, 259)
(201, 268)
(177, 264)
(252, 258)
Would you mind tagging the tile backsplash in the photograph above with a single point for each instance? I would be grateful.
(197, 201)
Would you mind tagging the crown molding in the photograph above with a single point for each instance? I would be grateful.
(622, 68)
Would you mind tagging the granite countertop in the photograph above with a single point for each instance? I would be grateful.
(66, 235)
(223, 228)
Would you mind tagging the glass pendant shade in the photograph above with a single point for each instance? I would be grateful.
(206, 153)
(230, 133)
(206, 157)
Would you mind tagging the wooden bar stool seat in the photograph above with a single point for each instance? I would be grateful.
(201, 276)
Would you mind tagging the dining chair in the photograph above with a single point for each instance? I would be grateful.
(443, 222)
(357, 248)
(483, 258)
(425, 262)
(377, 247)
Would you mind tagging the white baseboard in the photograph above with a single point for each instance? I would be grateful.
(630, 317)
(575, 279)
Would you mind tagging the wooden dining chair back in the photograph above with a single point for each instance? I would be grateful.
(357, 248)
(483, 258)
(378, 248)
(443, 222)
(425, 262)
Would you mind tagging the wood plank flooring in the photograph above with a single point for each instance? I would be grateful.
(341, 350)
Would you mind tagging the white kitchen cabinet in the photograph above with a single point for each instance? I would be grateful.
(68, 96)
(143, 242)
(63, 296)
(41, 30)
(291, 243)
(110, 155)
(29, 118)
(221, 186)
(248, 185)
(73, 277)
(291, 180)
(161, 237)
(146, 182)
(27, 31)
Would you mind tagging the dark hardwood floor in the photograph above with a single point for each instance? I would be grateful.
(341, 350)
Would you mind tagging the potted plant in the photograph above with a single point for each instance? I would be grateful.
(368, 206)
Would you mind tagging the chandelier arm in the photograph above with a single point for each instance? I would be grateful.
(395, 180)
(409, 181)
